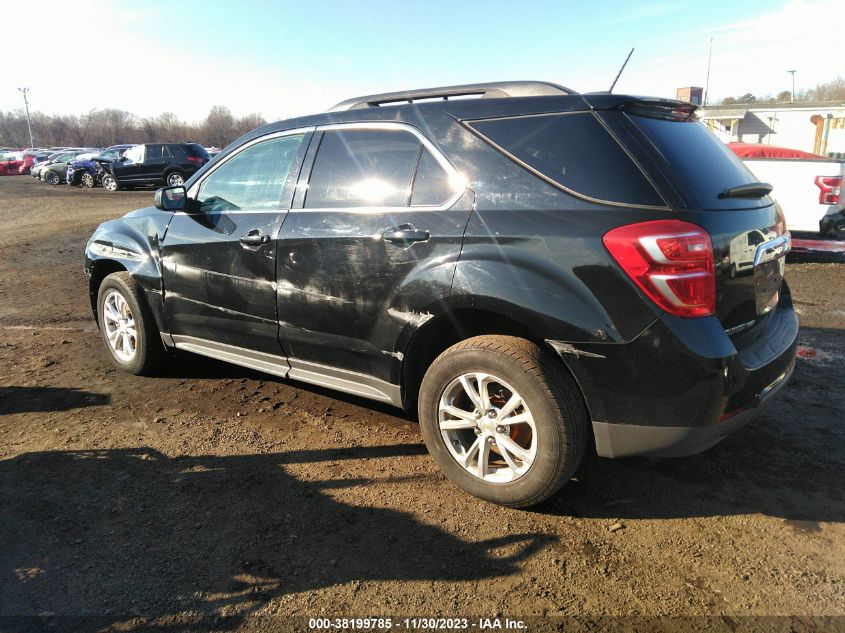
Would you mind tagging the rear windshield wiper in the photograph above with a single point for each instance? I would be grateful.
(749, 190)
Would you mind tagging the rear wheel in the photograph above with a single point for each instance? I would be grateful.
(174, 179)
(53, 178)
(503, 420)
(127, 326)
(110, 183)
(87, 180)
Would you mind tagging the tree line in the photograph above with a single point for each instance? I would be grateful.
(109, 126)
(829, 91)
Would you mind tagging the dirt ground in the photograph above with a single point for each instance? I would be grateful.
(213, 496)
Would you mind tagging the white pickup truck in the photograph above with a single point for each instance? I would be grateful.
(807, 187)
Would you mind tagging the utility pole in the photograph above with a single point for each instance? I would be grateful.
(707, 83)
(28, 122)
(792, 98)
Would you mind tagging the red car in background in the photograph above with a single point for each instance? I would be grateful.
(16, 163)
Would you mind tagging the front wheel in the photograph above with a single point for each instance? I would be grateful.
(503, 419)
(110, 183)
(87, 180)
(127, 326)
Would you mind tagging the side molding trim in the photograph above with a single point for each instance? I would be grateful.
(344, 380)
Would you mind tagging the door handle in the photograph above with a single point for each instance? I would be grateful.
(405, 233)
(254, 238)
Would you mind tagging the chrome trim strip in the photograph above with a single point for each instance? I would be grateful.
(343, 380)
(782, 242)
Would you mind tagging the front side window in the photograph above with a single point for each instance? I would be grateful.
(432, 185)
(252, 179)
(363, 168)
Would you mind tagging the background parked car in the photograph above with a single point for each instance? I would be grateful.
(55, 172)
(154, 164)
(16, 163)
(85, 172)
(54, 157)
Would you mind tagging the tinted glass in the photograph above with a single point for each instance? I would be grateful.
(195, 149)
(253, 179)
(153, 152)
(363, 168)
(574, 151)
(701, 162)
(177, 151)
(431, 184)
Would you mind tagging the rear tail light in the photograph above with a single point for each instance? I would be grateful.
(829, 189)
(780, 225)
(196, 159)
(671, 261)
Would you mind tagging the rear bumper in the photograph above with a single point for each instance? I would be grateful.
(683, 384)
(625, 440)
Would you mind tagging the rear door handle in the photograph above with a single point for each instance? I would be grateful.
(405, 233)
(254, 238)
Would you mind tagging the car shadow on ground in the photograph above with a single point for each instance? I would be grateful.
(124, 534)
(15, 399)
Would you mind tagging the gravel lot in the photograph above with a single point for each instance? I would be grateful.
(214, 496)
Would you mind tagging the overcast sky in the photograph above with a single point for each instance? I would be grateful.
(283, 59)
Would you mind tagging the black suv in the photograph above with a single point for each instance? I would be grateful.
(532, 270)
(153, 164)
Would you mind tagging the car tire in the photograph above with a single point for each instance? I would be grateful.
(127, 326)
(87, 180)
(52, 178)
(110, 183)
(174, 179)
(526, 461)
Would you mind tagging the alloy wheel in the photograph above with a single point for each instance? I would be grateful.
(487, 427)
(119, 324)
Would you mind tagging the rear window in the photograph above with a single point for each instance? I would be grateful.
(574, 152)
(195, 149)
(702, 164)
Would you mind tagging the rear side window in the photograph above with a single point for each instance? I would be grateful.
(177, 151)
(703, 165)
(154, 151)
(432, 185)
(363, 168)
(574, 152)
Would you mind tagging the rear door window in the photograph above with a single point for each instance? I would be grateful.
(363, 168)
(432, 185)
(574, 152)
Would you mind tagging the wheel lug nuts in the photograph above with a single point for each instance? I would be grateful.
(500, 429)
(477, 431)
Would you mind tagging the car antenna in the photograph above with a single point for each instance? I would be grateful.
(625, 63)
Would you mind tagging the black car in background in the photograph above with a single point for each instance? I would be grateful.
(154, 164)
(86, 172)
(531, 269)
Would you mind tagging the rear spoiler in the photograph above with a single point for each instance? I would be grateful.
(653, 107)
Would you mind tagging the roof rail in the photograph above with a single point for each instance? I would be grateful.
(496, 89)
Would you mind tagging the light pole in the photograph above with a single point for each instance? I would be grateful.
(792, 98)
(28, 122)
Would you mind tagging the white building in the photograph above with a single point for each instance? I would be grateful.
(812, 127)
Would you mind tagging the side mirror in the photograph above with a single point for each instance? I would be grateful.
(122, 159)
(171, 198)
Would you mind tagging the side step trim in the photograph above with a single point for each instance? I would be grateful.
(269, 363)
(344, 380)
(347, 381)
